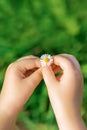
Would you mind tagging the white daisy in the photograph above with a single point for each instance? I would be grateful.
(46, 59)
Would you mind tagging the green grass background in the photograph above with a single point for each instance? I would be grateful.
(43, 26)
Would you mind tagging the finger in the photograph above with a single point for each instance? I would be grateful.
(27, 57)
(68, 64)
(34, 79)
(49, 76)
(72, 59)
(53, 66)
(29, 72)
(27, 64)
(59, 77)
(57, 69)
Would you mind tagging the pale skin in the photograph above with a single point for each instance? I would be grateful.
(65, 91)
(21, 79)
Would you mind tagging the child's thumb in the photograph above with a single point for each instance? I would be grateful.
(49, 76)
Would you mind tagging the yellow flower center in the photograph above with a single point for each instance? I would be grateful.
(46, 59)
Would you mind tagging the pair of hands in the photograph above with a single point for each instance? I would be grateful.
(65, 91)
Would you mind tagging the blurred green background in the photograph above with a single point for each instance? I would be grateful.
(37, 27)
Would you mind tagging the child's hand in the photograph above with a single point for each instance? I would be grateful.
(65, 91)
(22, 77)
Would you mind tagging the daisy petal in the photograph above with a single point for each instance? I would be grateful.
(46, 59)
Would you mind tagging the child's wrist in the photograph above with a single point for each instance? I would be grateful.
(7, 120)
(70, 120)
(8, 116)
(6, 109)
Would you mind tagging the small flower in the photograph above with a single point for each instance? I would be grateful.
(46, 59)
